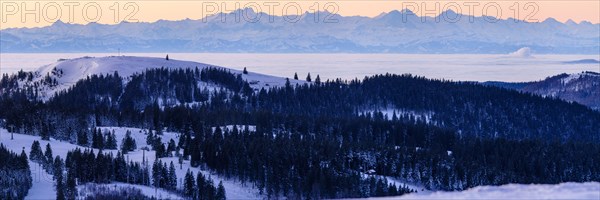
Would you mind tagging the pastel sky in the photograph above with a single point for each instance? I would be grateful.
(45, 12)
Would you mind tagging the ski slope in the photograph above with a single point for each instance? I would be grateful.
(43, 185)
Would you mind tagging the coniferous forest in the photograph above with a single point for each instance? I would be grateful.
(15, 177)
(321, 139)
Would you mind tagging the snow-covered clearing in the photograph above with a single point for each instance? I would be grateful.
(43, 185)
(233, 188)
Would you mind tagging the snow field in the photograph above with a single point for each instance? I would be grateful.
(43, 185)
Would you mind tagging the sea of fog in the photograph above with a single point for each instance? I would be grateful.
(462, 67)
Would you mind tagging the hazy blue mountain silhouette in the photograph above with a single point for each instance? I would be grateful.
(396, 31)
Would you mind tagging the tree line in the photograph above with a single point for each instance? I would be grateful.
(15, 175)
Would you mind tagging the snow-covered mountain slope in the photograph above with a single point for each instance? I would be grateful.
(67, 72)
(583, 88)
(395, 31)
(43, 184)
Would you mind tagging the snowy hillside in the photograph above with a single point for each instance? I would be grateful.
(583, 88)
(67, 72)
(43, 184)
(589, 190)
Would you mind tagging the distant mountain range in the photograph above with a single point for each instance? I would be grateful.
(393, 32)
(583, 88)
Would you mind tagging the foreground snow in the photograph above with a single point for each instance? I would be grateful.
(589, 190)
(43, 185)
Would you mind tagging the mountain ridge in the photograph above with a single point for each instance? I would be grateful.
(65, 73)
(583, 88)
(403, 33)
(408, 11)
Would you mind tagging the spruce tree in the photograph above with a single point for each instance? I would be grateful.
(111, 141)
(101, 141)
(171, 147)
(49, 159)
(160, 151)
(98, 140)
(210, 189)
(150, 138)
(45, 132)
(58, 167)
(189, 186)
(94, 139)
(164, 173)
(295, 76)
(128, 144)
(220, 192)
(36, 153)
(288, 85)
(82, 138)
(60, 188)
(308, 79)
(245, 71)
(200, 184)
(172, 177)
(58, 176)
(23, 154)
(71, 190)
(156, 173)
(183, 138)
